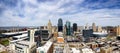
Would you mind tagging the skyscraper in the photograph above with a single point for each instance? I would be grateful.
(49, 27)
(74, 27)
(94, 27)
(68, 28)
(60, 25)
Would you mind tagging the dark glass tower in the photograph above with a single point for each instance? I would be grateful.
(60, 25)
(68, 28)
(74, 27)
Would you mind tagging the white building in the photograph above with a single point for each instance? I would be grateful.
(20, 46)
(45, 48)
(25, 47)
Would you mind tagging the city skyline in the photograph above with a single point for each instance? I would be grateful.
(38, 12)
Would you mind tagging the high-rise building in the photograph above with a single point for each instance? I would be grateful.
(74, 27)
(49, 26)
(118, 30)
(60, 25)
(94, 27)
(68, 28)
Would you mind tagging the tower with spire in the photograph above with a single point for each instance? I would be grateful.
(49, 27)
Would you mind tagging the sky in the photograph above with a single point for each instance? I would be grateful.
(38, 12)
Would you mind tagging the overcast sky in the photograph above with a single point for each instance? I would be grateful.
(38, 12)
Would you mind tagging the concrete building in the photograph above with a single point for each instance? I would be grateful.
(47, 48)
(31, 35)
(20, 46)
(106, 50)
(25, 47)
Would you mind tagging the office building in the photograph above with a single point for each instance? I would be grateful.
(87, 33)
(60, 25)
(74, 27)
(37, 38)
(25, 47)
(44, 34)
(94, 27)
(49, 27)
(68, 28)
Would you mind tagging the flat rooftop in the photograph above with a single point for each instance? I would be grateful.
(21, 36)
(11, 33)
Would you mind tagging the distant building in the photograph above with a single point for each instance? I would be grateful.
(49, 27)
(118, 30)
(99, 29)
(68, 28)
(74, 27)
(64, 30)
(94, 27)
(60, 25)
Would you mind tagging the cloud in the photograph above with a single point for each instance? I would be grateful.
(38, 12)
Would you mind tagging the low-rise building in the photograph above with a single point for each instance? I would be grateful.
(25, 47)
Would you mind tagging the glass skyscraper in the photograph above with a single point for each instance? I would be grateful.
(68, 28)
(60, 25)
(74, 27)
